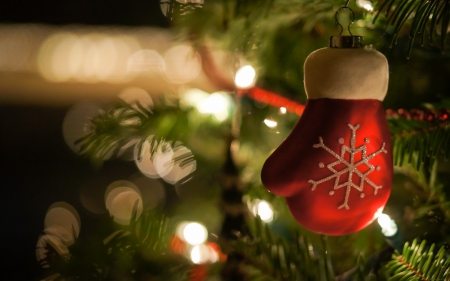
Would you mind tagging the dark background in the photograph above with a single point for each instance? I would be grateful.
(36, 167)
(95, 12)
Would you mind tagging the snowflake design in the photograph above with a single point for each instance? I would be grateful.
(351, 167)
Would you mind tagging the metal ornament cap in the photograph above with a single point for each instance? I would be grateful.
(346, 42)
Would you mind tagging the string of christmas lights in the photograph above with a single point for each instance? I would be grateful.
(273, 99)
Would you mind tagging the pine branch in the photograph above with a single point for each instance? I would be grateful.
(420, 140)
(130, 253)
(272, 257)
(248, 25)
(417, 263)
(434, 14)
(123, 123)
(142, 248)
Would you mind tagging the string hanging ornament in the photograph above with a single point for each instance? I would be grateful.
(335, 167)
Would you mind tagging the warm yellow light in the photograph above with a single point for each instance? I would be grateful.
(388, 226)
(245, 77)
(216, 104)
(270, 123)
(88, 58)
(203, 254)
(192, 96)
(146, 61)
(194, 233)
(134, 96)
(199, 254)
(182, 64)
(367, 5)
(122, 198)
(283, 110)
(262, 209)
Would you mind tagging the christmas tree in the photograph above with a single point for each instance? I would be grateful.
(187, 201)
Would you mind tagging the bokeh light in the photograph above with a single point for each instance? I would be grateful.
(46, 240)
(366, 4)
(146, 61)
(262, 209)
(122, 198)
(270, 123)
(144, 159)
(216, 104)
(183, 165)
(203, 254)
(134, 96)
(183, 64)
(193, 233)
(245, 77)
(163, 161)
(62, 220)
(16, 47)
(61, 224)
(89, 58)
(192, 96)
(76, 123)
(283, 110)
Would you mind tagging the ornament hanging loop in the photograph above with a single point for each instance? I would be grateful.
(345, 41)
(351, 22)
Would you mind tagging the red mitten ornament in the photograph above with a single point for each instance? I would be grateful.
(335, 167)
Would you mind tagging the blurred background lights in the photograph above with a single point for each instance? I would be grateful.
(122, 198)
(192, 232)
(388, 226)
(145, 160)
(61, 227)
(262, 209)
(16, 47)
(245, 77)
(216, 104)
(192, 96)
(183, 165)
(183, 64)
(146, 61)
(203, 254)
(136, 95)
(63, 221)
(170, 164)
(89, 58)
(283, 110)
(367, 5)
(42, 247)
(270, 123)
(76, 122)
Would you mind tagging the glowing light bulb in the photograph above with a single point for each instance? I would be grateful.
(216, 104)
(201, 254)
(263, 209)
(283, 110)
(194, 233)
(193, 96)
(388, 226)
(270, 123)
(245, 77)
(367, 5)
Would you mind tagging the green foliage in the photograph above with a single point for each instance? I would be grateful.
(420, 141)
(268, 257)
(418, 263)
(138, 250)
(125, 124)
(431, 15)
